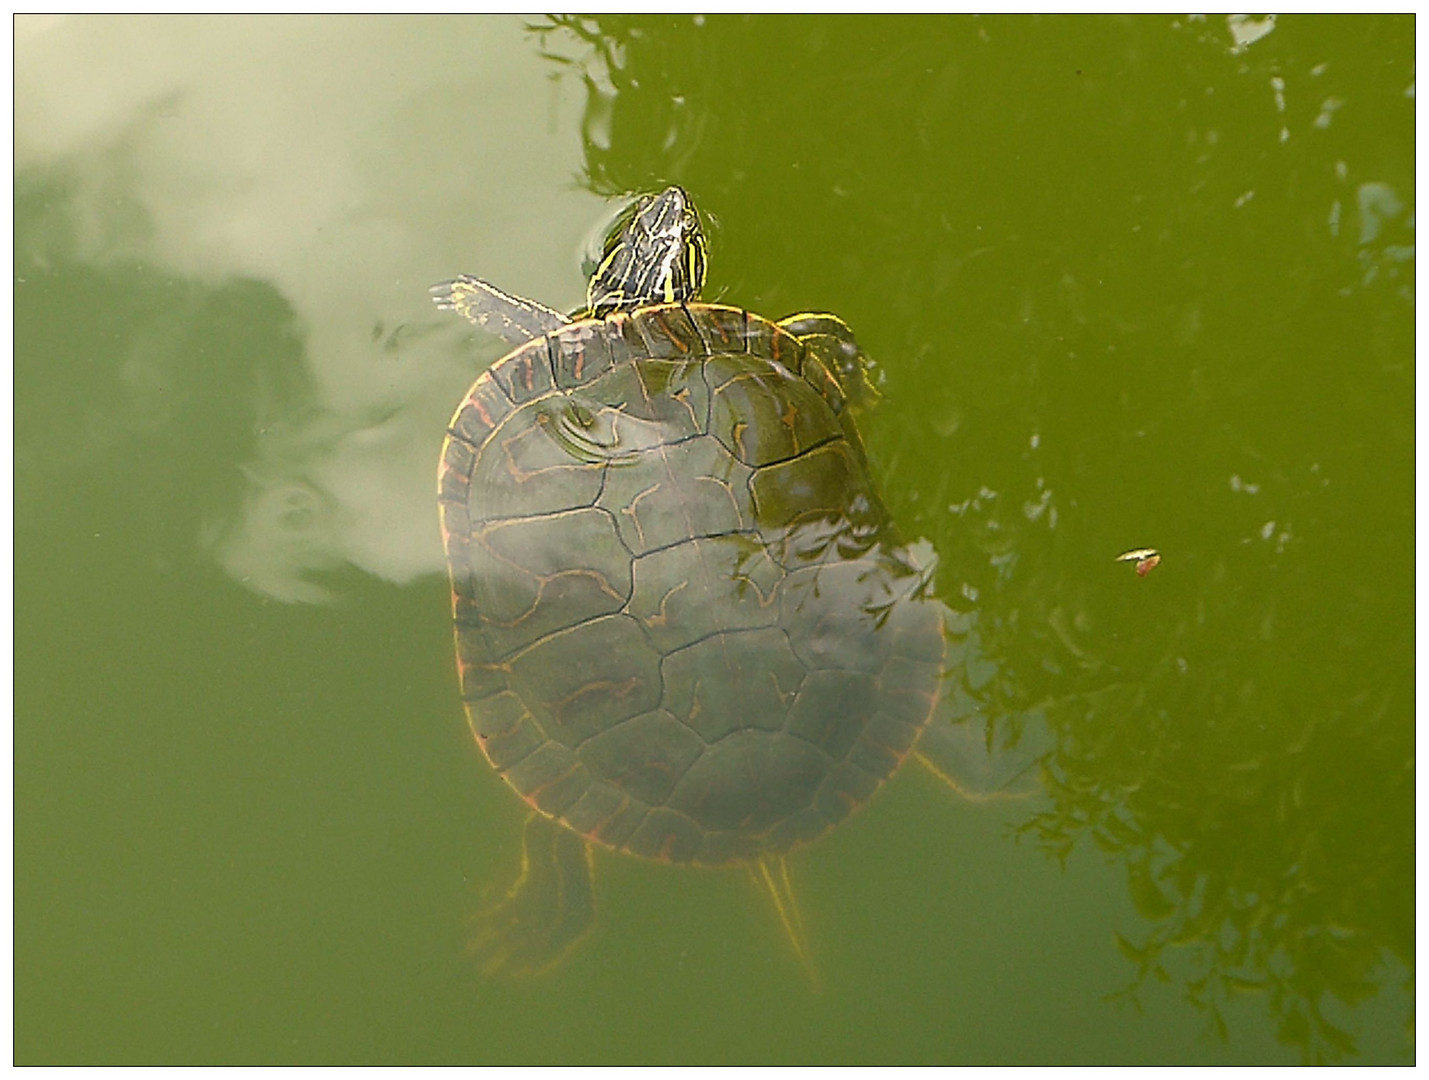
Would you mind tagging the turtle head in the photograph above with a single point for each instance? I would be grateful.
(654, 253)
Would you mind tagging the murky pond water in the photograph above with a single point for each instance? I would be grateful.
(1128, 283)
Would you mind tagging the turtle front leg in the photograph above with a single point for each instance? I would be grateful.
(831, 341)
(512, 318)
(546, 912)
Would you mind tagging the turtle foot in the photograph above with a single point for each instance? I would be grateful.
(546, 912)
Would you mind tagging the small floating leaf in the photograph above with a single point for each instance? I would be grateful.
(1137, 555)
(1145, 559)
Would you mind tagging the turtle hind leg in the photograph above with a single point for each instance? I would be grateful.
(771, 873)
(546, 912)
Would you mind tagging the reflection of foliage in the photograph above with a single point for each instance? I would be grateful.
(659, 120)
(1209, 336)
(1234, 794)
(1234, 731)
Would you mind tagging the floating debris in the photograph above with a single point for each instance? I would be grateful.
(1146, 559)
(1136, 554)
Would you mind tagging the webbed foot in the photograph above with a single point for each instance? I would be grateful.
(545, 913)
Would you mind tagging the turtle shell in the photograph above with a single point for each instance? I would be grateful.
(684, 627)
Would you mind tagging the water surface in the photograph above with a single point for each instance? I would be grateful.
(1142, 282)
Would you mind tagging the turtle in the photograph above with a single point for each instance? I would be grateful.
(686, 627)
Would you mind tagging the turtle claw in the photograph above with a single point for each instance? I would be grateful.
(545, 913)
(772, 873)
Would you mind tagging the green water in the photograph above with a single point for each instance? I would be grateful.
(1144, 282)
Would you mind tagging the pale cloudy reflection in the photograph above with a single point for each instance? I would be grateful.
(348, 163)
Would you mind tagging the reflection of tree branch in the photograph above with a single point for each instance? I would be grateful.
(1228, 782)
(647, 115)
(1248, 882)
